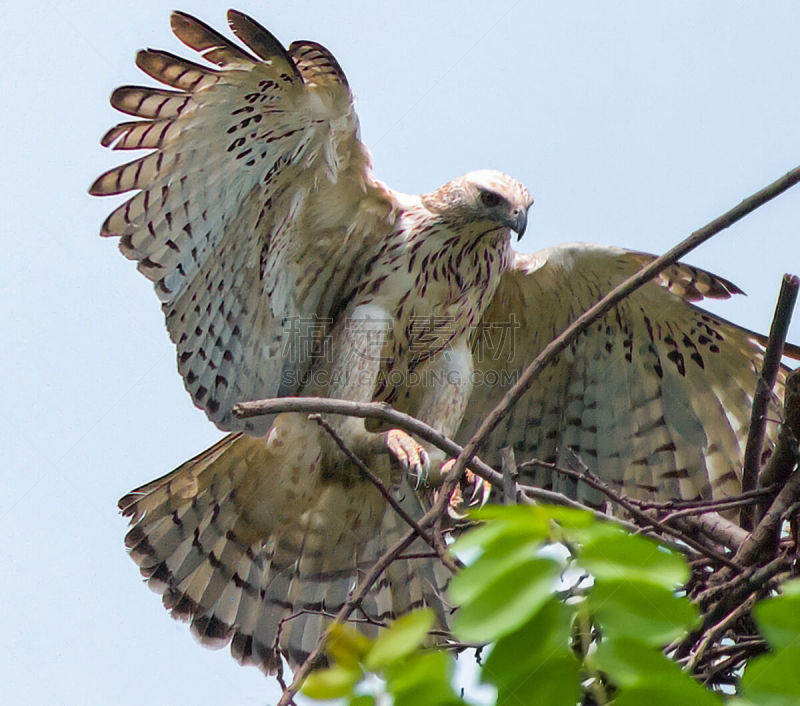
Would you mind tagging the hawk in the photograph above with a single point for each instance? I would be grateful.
(284, 267)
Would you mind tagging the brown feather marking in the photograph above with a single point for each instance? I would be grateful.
(176, 71)
(213, 47)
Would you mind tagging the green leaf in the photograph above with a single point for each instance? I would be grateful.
(423, 680)
(400, 639)
(614, 554)
(362, 700)
(333, 683)
(778, 618)
(641, 610)
(534, 664)
(773, 679)
(502, 547)
(518, 523)
(346, 645)
(671, 693)
(554, 681)
(482, 535)
(645, 676)
(486, 569)
(537, 517)
(517, 656)
(631, 663)
(507, 532)
(499, 604)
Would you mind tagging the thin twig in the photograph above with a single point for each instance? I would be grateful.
(742, 643)
(784, 456)
(719, 506)
(586, 476)
(769, 374)
(733, 662)
(524, 491)
(670, 505)
(716, 631)
(762, 542)
(371, 577)
(731, 593)
(384, 412)
(751, 579)
(417, 555)
(382, 489)
(282, 683)
(510, 475)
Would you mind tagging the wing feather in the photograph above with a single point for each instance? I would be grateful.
(254, 211)
(211, 45)
(176, 71)
(261, 41)
(316, 64)
(136, 135)
(145, 102)
(655, 397)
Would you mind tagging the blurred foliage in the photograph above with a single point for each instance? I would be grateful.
(581, 625)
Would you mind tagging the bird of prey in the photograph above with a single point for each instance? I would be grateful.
(284, 267)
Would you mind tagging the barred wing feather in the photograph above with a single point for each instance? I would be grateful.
(655, 397)
(256, 188)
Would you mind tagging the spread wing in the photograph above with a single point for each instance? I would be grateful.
(253, 211)
(655, 397)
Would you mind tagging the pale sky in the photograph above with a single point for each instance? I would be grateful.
(631, 123)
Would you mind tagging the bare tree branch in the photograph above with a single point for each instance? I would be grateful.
(759, 556)
(326, 405)
(784, 457)
(751, 579)
(763, 540)
(769, 374)
(382, 411)
(715, 632)
(716, 528)
(383, 490)
(510, 475)
(646, 519)
(706, 505)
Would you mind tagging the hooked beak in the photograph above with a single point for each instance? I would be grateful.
(517, 221)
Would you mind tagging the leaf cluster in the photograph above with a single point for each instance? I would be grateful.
(577, 611)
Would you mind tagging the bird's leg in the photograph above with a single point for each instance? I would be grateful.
(440, 399)
(471, 491)
(411, 457)
(360, 345)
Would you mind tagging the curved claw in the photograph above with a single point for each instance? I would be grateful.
(412, 457)
(471, 486)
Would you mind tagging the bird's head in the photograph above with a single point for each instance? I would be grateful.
(484, 195)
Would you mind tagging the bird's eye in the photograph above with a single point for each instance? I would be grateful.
(490, 199)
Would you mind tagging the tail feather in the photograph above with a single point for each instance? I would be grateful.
(235, 593)
(208, 535)
(275, 605)
(247, 612)
(254, 546)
